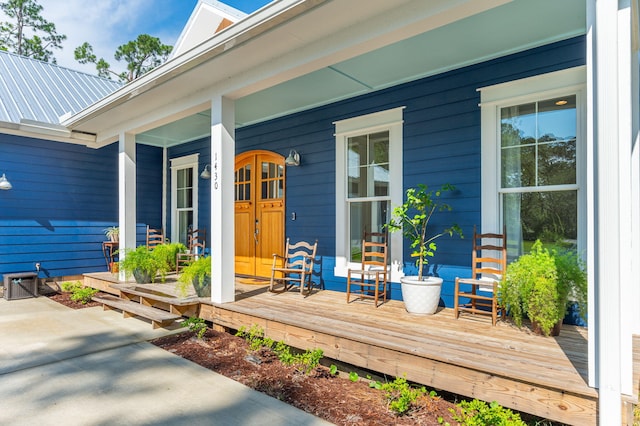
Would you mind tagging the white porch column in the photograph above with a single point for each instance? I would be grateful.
(613, 250)
(127, 193)
(223, 149)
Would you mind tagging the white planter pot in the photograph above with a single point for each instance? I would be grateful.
(421, 297)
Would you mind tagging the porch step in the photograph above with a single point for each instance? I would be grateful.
(158, 317)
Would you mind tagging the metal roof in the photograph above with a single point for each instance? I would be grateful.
(43, 92)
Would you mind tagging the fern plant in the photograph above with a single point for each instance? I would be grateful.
(541, 284)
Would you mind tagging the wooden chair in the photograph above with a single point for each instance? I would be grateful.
(488, 269)
(196, 245)
(154, 237)
(294, 268)
(370, 281)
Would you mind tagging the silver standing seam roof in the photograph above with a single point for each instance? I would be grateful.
(43, 92)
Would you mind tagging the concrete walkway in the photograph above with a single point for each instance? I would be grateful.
(93, 367)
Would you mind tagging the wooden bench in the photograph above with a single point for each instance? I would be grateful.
(158, 317)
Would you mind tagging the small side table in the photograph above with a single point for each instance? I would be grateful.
(108, 248)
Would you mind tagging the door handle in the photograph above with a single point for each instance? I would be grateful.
(256, 232)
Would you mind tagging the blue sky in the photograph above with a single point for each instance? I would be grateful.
(107, 24)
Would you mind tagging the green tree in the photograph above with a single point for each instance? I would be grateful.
(141, 56)
(27, 33)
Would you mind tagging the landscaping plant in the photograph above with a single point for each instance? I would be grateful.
(196, 325)
(196, 274)
(142, 264)
(83, 294)
(413, 217)
(539, 285)
(166, 253)
(479, 413)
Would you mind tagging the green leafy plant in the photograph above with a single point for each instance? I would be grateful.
(333, 370)
(166, 253)
(83, 294)
(413, 217)
(353, 376)
(304, 361)
(479, 413)
(538, 285)
(142, 264)
(196, 274)
(572, 279)
(401, 395)
(196, 325)
(70, 286)
(113, 233)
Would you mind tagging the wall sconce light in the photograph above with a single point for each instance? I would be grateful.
(206, 173)
(4, 183)
(293, 159)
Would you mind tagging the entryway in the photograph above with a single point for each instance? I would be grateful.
(259, 211)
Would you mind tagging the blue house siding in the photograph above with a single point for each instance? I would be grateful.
(441, 145)
(63, 198)
(148, 190)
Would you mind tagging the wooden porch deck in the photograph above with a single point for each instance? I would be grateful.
(545, 376)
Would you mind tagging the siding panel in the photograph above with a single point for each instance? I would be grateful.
(63, 198)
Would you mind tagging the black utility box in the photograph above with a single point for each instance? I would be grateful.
(20, 286)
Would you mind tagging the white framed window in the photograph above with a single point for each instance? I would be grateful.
(368, 184)
(184, 197)
(534, 160)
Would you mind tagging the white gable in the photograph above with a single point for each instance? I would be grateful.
(207, 18)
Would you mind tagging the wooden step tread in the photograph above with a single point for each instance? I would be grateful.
(158, 317)
(156, 292)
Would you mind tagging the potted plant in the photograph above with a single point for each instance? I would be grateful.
(113, 233)
(166, 253)
(142, 264)
(541, 285)
(421, 294)
(198, 275)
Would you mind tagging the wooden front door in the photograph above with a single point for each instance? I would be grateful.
(259, 211)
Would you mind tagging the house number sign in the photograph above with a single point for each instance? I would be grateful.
(215, 171)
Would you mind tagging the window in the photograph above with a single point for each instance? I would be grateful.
(538, 145)
(184, 197)
(368, 182)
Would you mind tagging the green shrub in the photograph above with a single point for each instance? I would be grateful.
(479, 413)
(70, 286)
(401, 395)
(196, 325)
(83, 294)
(542, 284)
(166, 254)
(304, 362)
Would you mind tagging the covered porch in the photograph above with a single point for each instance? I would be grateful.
(296, 55)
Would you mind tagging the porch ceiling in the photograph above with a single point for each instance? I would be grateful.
(512, 27)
